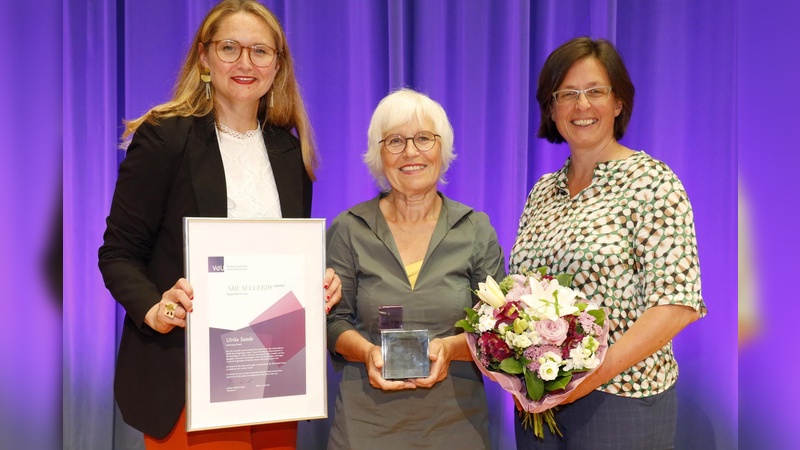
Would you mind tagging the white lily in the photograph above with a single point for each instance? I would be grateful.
(491, 293)
(551, 303)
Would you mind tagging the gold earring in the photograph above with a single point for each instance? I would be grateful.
(271, 100)
(206, 78)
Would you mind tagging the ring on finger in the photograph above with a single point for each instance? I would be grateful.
(169, 309)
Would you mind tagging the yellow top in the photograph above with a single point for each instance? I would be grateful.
(412, 270)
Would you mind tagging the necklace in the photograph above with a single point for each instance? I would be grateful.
(231, 132)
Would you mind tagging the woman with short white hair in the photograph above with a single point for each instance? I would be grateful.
(413, 248)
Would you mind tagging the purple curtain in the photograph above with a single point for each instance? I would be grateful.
(768, 164)
(30, 228)
(481, 61)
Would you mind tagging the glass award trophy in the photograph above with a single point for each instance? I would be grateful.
(405, 352)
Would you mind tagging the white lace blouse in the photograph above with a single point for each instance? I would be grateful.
(251, 189)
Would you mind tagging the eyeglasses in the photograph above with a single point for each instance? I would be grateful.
(593, 94)
(229, 51)
(396, 143)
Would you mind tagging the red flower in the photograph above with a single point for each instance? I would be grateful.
(508, 313)
(491, 344)
(573, 338)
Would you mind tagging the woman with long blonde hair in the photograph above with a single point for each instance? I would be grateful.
(234, 141)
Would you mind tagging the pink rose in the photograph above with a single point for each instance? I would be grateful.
(516, 293)
(553, 331)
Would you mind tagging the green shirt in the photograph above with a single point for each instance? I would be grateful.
(463, 250)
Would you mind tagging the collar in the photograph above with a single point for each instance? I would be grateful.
(370, 212)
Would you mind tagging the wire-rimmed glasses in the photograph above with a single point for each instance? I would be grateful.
(396, 143)
(593, 94)
(230, 51)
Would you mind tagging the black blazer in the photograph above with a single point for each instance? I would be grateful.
(172, 170)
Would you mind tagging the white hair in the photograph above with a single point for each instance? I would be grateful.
(399, 108)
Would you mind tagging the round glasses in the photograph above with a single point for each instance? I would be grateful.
(593, 94)
(396, 143)
(229, 51)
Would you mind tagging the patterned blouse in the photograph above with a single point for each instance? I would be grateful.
(629, 240)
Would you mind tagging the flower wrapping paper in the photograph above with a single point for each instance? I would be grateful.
(515, 385)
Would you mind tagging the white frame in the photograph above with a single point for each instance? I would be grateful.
(267, 247)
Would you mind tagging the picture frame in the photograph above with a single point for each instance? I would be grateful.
(256, 338)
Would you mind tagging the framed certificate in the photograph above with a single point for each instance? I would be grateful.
(255, 342)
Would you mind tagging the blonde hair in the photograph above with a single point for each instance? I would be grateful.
(399, 108)
(189, 98)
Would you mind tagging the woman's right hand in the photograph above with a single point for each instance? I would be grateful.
(171, 311)
(374, 362)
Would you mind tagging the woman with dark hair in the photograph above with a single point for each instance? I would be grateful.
(621, 223)
(234, 141)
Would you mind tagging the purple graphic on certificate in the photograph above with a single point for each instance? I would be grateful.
(265, 359)
(216, 264)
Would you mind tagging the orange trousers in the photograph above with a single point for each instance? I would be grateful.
(274, 436)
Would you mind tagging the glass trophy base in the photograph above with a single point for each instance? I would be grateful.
(405, 354)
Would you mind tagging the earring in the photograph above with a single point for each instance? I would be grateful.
(206, 78)
(271, 100)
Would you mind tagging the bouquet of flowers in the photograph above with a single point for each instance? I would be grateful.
(537, 338)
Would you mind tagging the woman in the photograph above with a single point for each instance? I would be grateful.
(221, 147)
(411, 247)
(620, 222)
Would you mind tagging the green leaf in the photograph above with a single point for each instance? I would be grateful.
(558, 383)
(511, 365)
(564, 279)
(464, 323)
(534, 385)
(599, 316)
(472, 315)
(542, 270)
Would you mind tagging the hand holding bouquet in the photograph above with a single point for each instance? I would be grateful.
(538, 338)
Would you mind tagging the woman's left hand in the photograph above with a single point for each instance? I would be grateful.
(440, 353)
(333, 289)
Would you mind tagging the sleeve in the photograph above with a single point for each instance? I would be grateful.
(137, 210)
(666, 246)
(523, 224)
(341, 258)
(308, 194)
(488, 254)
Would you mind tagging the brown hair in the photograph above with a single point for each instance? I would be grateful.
(558, 64)
(288, 110)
